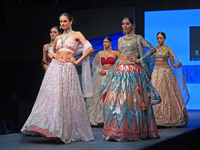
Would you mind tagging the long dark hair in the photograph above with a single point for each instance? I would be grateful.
(129, 18)
(108, 38)
(162, 33)
(69, 16)
(57, 28)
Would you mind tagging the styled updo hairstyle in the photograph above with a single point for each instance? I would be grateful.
(56, 27)
(108, 38)
(68, 16)
(162, 33)
(129, 18)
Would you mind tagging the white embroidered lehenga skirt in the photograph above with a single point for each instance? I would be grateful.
(59, 110)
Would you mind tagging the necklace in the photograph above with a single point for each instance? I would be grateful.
(106, 55)
(51, 43)
(66, 33)
(161, 49)
(129, 36)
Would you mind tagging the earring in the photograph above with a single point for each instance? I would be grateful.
(60, 27)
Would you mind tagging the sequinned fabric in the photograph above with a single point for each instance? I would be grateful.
(109, 60)
(163, 54)
(171, 111)
(59, 110)
(69, 44)
(129, 48)
(95, 104)
(128, 96)
(124, 117)
(95, 107)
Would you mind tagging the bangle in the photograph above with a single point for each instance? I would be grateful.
(43, 63)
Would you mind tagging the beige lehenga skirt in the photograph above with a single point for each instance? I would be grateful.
(171, 111)
(95, 104)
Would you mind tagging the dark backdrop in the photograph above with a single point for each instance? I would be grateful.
(24, 28)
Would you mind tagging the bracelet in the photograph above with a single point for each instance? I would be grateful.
(43, 63)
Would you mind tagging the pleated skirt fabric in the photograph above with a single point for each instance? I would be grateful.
(171, 111)
(128, 112)
(59, 110)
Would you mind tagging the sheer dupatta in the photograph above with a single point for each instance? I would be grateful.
(179, 74)
(96, 69)
(147, 55)
(96, 66)
(87, 86)
(147, 60)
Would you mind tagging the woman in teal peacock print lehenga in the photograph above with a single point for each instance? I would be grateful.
(127, 92)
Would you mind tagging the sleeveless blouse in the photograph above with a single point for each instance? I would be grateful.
(70, 44)
(129, 48)
(109, 60)
(162, 54)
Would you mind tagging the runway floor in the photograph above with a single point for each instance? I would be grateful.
(18, 141)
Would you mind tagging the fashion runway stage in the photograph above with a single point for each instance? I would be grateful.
(187, 137)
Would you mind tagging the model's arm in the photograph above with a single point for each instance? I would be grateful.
(44, 61)
(172, 59)
(145, 43)
(87, 47)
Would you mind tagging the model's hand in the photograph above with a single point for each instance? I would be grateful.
(46, 67)
(55, 56)
(73, 59)
(102, 72)
(177, 65)
(132, 59)
(75, 62)
(180, 64)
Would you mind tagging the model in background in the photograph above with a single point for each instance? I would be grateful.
(102, 62)
(171, 111)
(54, 32)
(127, 91)
(59, 111)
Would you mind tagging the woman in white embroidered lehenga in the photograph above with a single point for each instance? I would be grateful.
(103, 61)
(59, 111)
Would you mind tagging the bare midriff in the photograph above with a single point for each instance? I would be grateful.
(161, 63)
(65, 56)
(126, 58)
(107, 66)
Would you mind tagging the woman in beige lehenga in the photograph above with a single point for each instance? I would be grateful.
(171, 87)
(103, 61)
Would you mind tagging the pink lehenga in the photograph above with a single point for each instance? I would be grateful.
(173, 90)
(59, 110)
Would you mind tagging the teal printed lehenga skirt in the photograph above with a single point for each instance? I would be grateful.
(128, 96)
